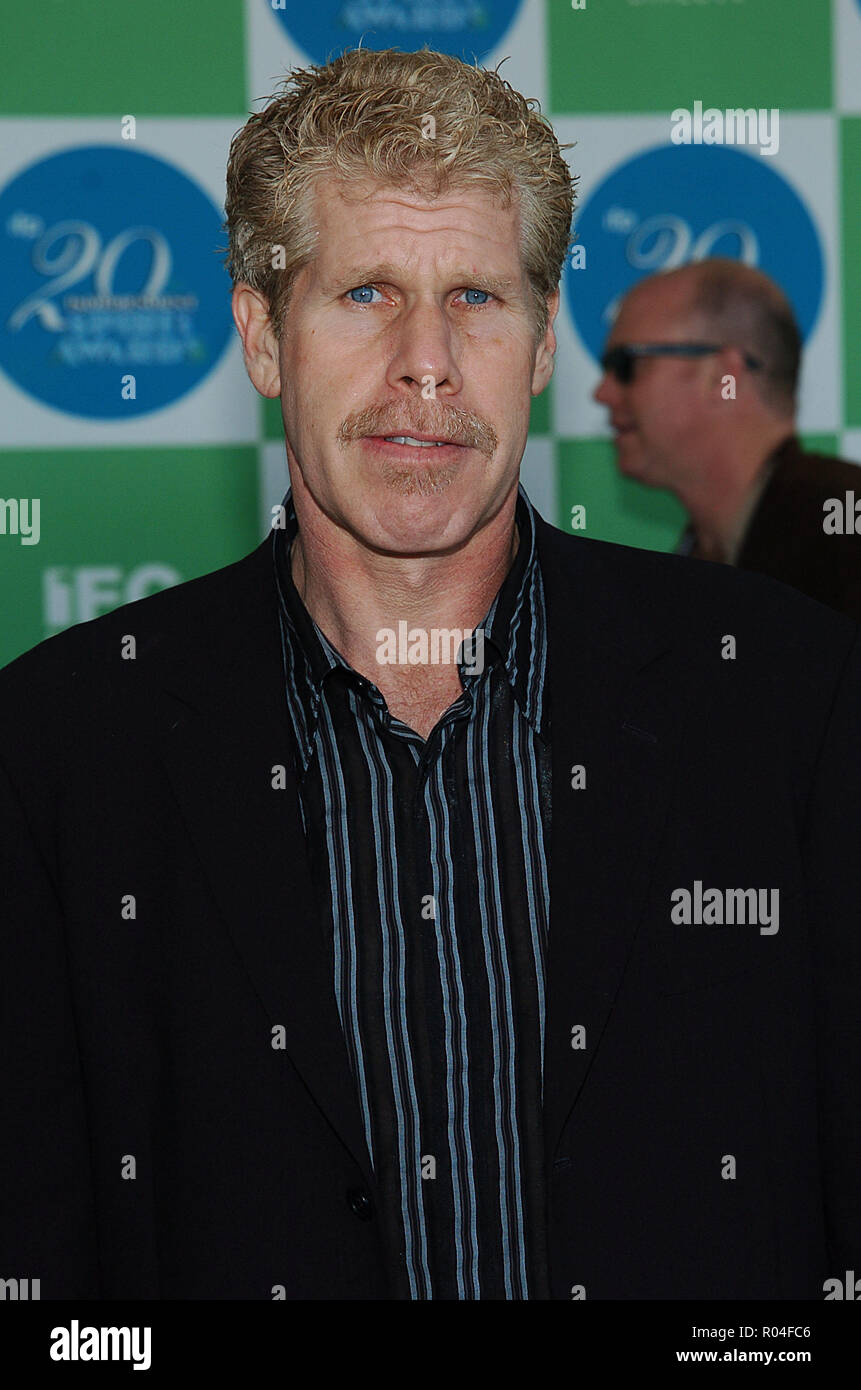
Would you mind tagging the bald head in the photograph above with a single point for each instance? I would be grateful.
(702, 425)
(724, 301)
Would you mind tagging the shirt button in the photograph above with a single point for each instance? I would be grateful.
(360, 1203)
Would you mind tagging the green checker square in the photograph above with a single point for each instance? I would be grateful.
(850, 178)
(617, 508)
(270, 413)
(107, 516)
(541, 411)
(615, 55)
(821, 443)
(98, 58)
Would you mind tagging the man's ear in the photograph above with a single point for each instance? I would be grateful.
(727, 372)
(543, 369)
(259, 345)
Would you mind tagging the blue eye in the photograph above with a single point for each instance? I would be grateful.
(371, 289)
(360, 289)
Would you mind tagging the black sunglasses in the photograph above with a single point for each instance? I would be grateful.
(620, 360)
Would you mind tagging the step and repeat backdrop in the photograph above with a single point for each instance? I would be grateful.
(134, 452)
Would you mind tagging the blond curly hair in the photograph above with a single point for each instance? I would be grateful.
(366, 115)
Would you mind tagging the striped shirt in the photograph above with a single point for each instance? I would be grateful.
(429, 860)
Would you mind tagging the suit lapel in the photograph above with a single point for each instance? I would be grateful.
(225, 727)
(614, 713)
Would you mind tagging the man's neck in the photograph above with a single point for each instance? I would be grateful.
(723, 501)
(353, 592)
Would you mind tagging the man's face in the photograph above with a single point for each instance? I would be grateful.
(405, 295)
(663, 417)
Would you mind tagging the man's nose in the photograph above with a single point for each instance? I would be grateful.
(607, 391)
(425, 349)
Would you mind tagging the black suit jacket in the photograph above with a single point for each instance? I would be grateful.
(156, 1144)
(785, 537)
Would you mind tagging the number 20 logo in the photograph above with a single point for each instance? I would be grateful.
(80, 255)
(673, 244)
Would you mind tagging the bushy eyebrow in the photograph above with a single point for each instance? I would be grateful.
(356, 276)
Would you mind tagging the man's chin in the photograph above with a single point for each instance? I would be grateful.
(629, 460)
(414, 480)
(406, 471)
(632, 462)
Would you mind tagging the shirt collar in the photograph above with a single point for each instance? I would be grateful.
(514, 626)
(744, 516)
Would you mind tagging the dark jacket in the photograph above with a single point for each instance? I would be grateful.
(785, 537)
(147, 1039)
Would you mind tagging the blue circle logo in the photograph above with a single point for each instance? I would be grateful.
(683, 203)
(113, 300)
(466, 29)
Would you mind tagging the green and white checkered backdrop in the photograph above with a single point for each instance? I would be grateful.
(124, 404)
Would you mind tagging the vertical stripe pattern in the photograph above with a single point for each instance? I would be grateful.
(429, 861)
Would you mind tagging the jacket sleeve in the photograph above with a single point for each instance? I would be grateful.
(47, 1217)
(833, 856)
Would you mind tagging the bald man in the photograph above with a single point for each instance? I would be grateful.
(700, 379)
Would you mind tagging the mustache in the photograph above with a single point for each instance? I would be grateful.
(456, 427)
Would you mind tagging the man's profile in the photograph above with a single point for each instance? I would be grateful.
(329, 976)
(701, 379)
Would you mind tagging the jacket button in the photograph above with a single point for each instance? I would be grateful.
(360, 1203)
